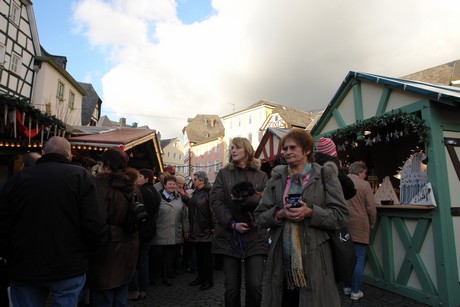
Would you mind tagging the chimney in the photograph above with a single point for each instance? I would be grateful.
(134, 125)
(122, 122)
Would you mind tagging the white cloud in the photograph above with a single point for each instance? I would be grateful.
(288, 51)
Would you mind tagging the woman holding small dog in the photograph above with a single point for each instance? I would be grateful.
(235, 194)
(300, 268)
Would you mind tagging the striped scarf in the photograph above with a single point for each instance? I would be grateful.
(292, 240)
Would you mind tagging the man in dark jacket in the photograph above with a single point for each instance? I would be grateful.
(50, 215)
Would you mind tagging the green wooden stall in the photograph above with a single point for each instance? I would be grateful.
(414, 250)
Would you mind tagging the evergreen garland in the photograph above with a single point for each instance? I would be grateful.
(23, 105)
(381, 128)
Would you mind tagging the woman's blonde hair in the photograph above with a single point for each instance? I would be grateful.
(241, 143)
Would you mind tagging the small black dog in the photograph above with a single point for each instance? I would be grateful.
(241, 212)
(243, 189)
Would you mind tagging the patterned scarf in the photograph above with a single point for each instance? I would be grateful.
(292, 243)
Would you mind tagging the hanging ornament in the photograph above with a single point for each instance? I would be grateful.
(368, 142)
(41, 137)
(5, 113)
(341, 147)
(378, 138)
(387, 138)
(396, 134)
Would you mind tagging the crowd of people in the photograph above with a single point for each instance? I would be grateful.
(67, 236)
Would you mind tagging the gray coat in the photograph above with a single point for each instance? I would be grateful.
(329, 211)
(172, 221)
(225, 241)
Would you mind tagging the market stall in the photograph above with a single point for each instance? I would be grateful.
(408, 134)
(140, 144)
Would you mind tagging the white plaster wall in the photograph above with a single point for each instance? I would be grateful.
(46, 91)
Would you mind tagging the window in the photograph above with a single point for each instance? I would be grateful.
(209, 167)
(60, 91)
(71, 100)
(250, 119)
(174, 156)
(48, 108)
(239, 122)
(217, 148)
(209, 149)
(250, 137)
(180, 157)
(15, 64)
(15, 13)
(169, 154)
(216, 166)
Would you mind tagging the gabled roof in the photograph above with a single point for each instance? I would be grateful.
(260, 103)
(292, 117)
(445, 74)
(437, 93)
(166, 142)
(204, 128)
(104, 121)
(89, 102)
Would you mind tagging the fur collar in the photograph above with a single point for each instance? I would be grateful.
(123, 181)
(254, 164)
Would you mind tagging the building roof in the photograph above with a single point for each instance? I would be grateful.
(104, 121)
(260, 103)
(204, 128)
(437, 93)
(89, 102)
(166, 142)
(445, 74)
(294, 117)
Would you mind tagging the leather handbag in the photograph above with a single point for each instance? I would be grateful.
(343, 253)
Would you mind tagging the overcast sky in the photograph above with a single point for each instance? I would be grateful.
(166, 61)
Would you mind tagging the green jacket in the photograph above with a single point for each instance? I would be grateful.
(329, 211)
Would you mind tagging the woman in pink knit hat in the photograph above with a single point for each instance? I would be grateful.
(326, 151)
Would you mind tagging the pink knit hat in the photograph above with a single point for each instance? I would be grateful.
(326, 146)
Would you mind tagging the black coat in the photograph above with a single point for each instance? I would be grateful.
(347, 184)
(151, 200)
(50, 216)
(202, 220)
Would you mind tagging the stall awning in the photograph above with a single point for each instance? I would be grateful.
(125, 137)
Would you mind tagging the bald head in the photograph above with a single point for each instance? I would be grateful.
(30, 158)
(57, 145)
